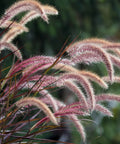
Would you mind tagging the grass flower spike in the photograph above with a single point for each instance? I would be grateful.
(38, 103)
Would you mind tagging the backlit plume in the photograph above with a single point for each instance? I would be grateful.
(38, 103)
(29, 82)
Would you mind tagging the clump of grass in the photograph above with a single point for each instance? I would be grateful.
(24, 91)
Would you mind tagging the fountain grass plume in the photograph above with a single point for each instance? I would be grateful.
(38, 103)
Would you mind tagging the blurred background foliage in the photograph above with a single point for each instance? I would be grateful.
(85, 19)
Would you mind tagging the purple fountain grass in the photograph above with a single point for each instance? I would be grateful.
(79, 126)
(71, 116)
(87, 58)
(92, 41)
(11, 34)
(13, 24)
(51, 99)
(12, 47)
(42, 92)
(100, 52)
(84, 82)
(116, 51)
(38, 61)
(106, 97)
(29, 17)
(76, 90)
(38, 10)
(94, 77)
(116, 79)
(22, 6)
(101, 108)
(95, 41)
(112, 46)
(34, 76)
(37, 102)
(18, 7)
(49, 10)
(115, 60)
(89, 75)
(33, 14)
